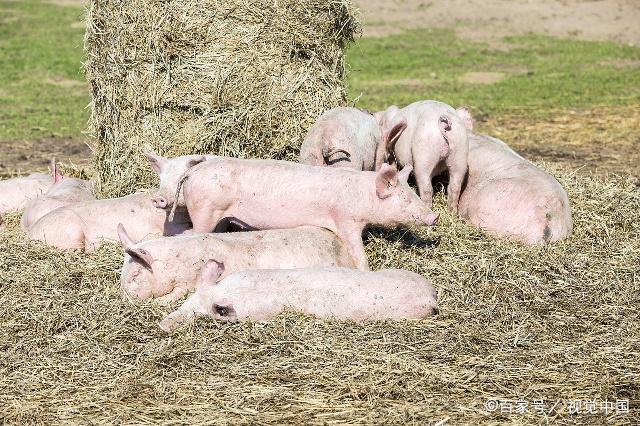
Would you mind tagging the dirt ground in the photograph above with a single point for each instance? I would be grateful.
(23, 157)
(491, 20)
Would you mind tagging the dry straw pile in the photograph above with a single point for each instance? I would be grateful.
(551, 323)
(243, 78)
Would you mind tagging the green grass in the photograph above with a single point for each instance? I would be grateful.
(540, 72)
(43, 92)
(38, 44)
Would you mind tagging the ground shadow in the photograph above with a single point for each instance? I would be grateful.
(403, 235)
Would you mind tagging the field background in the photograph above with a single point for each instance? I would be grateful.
(558, 80)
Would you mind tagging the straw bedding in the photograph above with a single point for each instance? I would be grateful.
(552, 323)
(243, 78)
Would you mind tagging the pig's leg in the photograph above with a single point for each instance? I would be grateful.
(457, 165)
(204, 220)
(185, 314)
(424, 165)
(175, 294)
(352, 237)
(456, 177)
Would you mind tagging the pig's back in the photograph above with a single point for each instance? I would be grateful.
(276, 184)
(301, 247)
(71, 190)
(358, 133)
(339, 293)
(59, 195)
(16, 193)
(422, 128)
(267, 170)
(135, 212)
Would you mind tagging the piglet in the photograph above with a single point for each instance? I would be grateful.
(17, 192)
(168, 268)
(87, 224)
(348, 137)
(509, 197)
(272, 194)
(63, 192)
(435, 141)
(326, 292)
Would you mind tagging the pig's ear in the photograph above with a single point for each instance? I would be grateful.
(466, 117)
(386, 180)
(55, 170)
(141, 255)
(211, 272)
(196, 161)
(403, 175)
(391, 136)
(156, 161)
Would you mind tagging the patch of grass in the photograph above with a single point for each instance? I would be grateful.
(540, 73)
(43, 92)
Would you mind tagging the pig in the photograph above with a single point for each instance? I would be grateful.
(348, 137)
(63, 192)
(17, 192)
(170, 170)
(168, 268)
(272, 194)
(435, 141)
(87, 224)
(509, 197)
(326, 292)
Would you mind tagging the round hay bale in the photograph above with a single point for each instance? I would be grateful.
(242, 78)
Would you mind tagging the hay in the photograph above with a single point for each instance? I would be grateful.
(558, 322)
(599, 139)
(243, 78)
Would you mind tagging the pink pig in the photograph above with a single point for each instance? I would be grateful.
(348, 137)
(272, 194)
(168, 268)
(326, 292)
(510, 197)
(435, 141)
(170, 170)
(17, 192)
(87, 224)
(63, 192)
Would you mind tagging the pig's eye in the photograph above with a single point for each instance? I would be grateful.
(223, 311)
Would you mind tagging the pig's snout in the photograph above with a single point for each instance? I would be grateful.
(431, 219)
(160, 202)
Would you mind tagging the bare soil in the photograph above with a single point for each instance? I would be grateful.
(22, 157)
(491, 20)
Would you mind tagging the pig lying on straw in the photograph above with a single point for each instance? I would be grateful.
(328, 292)
(63, 192)
(168, 268)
